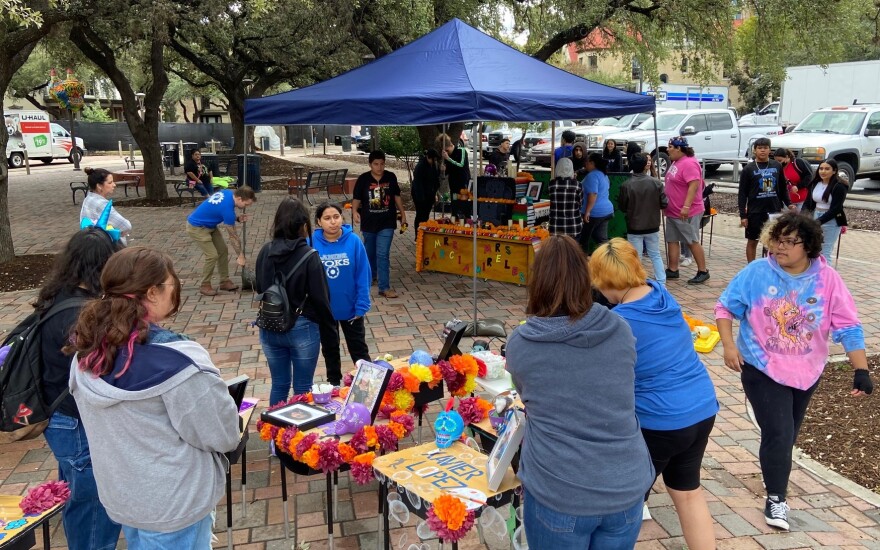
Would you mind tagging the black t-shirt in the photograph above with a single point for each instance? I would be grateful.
(191, 166)
(378, 210)
(762, 189)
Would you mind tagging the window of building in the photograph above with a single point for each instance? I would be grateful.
(684, 65)
(593, 62)
(636, 70)
(210, 119)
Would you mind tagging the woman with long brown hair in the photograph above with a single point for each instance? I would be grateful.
(155, 402)
(584, 464)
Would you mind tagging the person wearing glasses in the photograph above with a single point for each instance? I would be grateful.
(684, 188)
(787, 304)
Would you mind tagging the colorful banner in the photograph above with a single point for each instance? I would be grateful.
(497, 259)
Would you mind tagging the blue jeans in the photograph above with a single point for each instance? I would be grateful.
(547, 528)
(831, 232)
(378, 247)
(86, 523)
(195, 537)
(292, 356)
(651, 241)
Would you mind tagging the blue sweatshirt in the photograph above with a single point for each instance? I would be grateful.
(348, 273)
(673, 388)
(583, 453)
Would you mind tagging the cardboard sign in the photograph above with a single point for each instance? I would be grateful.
(430, 472)
(497, 259)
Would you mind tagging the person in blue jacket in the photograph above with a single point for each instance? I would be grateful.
(675, 398)
(348, 276)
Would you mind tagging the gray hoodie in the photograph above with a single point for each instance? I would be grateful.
(157, 434)
(583, 452)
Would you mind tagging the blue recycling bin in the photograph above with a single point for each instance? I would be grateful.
(253, 171)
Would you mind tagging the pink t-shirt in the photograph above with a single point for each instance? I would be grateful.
(681, 172)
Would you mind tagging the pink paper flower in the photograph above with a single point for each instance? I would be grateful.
(329, 458)
(387, 439)
(406, 420)
(442, 530)
(44, 496)
(469, 411)
(306, 443)
(347, 380)
(288, 434)
(359, 442)
(395, 383)
(361, 473)
(386, 410)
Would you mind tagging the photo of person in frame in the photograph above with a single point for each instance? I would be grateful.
(368, 384)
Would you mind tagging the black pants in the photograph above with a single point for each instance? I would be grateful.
(597, 229)
(423, 212)
(780, 412)
(355, 333)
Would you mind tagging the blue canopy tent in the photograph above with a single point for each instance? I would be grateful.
(455, 73)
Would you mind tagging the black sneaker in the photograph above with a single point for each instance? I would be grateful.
(671, 274)
(700, 278)
(776, 512)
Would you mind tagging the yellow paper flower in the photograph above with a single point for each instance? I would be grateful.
(403, 400)
(421, 372)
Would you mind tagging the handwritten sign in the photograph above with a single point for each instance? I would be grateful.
(430, 472)
(497, 259)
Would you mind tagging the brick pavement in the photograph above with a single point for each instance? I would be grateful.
(823, 514)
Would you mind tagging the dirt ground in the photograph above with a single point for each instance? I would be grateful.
(25, 272)
(840, 431)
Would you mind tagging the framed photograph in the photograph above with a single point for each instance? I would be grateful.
(505, 448)
(368, 385)
(534, 190)
(453, 332)
(302, 415)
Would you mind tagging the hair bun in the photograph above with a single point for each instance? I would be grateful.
(88, 170)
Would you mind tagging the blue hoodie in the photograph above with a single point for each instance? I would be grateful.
(673, 388)
(348, 273)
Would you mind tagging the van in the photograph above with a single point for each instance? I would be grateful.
(43, 140)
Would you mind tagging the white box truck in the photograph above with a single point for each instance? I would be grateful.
(32, 131)
(812, 87)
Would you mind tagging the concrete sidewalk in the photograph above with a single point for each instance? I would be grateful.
(824, 514)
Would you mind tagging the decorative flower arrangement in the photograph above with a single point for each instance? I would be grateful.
(328, 455)
(460, 374)
(449, 518)
(525, 175)
(44, 496)
(474, 409)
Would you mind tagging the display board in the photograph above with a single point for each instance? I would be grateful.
(497, 259)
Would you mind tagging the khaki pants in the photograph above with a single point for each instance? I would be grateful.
(214, 247)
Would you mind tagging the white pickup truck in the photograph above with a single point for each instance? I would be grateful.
(713, 133)
(850, 135)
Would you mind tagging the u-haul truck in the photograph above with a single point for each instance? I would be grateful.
(43, 140)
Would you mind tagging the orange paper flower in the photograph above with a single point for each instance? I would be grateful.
(438, 376)
(310, 457)
(364, 458)
(410, 382)
(266, 431)
(291, 449)
(347, 452)
(464, 364)
(450, 510)
(370, 434)
(398, 429)
(343, 392)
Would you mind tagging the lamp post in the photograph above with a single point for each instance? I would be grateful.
(244, 148)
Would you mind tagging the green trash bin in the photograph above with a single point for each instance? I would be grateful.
(346, 144)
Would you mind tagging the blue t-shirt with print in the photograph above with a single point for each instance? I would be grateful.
(216, 209)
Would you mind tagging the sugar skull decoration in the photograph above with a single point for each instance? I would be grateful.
(448, 427)
(490, 170)
(353, 417)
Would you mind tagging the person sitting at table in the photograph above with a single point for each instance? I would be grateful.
(675, 398)
(197, 175)
(101, 187)
(584, 464)
(156, 404)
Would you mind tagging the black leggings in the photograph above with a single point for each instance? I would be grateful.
(597, 229)
(423, 212)
(780, 412)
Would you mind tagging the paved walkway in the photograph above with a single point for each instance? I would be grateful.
(823, 515)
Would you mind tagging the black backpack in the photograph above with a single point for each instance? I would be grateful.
(24, 413)
(274, 313)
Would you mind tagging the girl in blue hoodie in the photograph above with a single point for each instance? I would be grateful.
(348, 275)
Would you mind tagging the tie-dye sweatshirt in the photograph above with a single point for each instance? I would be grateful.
(785, 319)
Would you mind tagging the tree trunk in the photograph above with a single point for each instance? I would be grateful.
(7, 251)
(428, 134)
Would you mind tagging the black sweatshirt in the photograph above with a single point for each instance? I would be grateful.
(762, 189)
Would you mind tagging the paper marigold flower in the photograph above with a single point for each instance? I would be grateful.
(358, 442)
(306, 443)
(268, 431)
(362, 468)
(395, 382)
(398, 429)
(470, 384)
(421, 372)
(465, 364)
(294, 442)
(436, 375)
(329, 457)
(346, 451)
(472, 410)
(410, 382)
(387, 438)
(450, 510)
(371, 437)
(343, 392)
(44, 496)
(403, 400)
(311, 457)
(404, 420)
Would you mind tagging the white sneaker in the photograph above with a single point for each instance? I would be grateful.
(685, 261)
(646, 514)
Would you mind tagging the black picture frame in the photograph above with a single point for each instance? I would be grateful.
(368, 386)
(237, 387)
(304, 416)
(534, 190)
(453, 337)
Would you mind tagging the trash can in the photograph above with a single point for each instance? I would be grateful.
(337, 140)
(211, 162)
(169, 151)
(346, 144)
(265, 144)
(253, 171)
(188, 148)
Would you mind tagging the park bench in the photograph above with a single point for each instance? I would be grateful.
(135, 183)
(317, 180)
(78, 186)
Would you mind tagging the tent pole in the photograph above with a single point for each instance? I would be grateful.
(657, 144)
(552, 148)
(475, 140)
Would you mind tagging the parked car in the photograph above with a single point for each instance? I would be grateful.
(535, 134)
(713, 133)
(540, 153)
(850, 135)
(613, 124)
(493, 134)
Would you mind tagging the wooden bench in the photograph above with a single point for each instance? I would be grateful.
(78, 186)
(182, 187)
(331, 180)
(125, 183)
